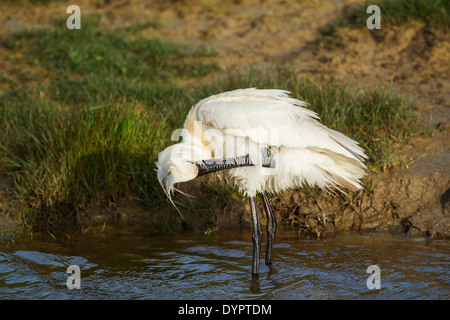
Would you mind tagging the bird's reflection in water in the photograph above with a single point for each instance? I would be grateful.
(255, 284)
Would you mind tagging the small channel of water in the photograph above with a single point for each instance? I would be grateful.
(136, 265)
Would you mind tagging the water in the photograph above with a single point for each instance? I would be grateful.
(136, 265)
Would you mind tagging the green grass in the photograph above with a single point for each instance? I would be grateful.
(143, 25)
(90, 110)
(89, 122)
(435, 13)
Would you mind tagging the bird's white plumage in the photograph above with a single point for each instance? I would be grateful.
(244, 110)
(309, 152)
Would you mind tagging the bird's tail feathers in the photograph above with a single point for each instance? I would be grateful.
(349, 144)
(343, 171)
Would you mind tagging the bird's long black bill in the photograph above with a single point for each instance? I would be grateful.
(214, 165)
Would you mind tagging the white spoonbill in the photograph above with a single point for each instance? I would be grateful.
(267, 142)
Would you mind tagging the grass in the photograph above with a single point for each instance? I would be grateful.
(435, 13)
(89, 111)
(143, 25)
(90, 121)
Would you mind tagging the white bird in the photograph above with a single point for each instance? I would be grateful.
(267, 142)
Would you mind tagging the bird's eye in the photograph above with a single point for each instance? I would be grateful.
(168, 173)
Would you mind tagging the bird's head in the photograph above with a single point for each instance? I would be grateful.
(176, 164)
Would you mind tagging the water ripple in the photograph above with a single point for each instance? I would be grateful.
(186, 266)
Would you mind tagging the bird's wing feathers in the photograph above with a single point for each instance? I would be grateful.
(241, 112)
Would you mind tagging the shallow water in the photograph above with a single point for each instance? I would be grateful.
(136, 265)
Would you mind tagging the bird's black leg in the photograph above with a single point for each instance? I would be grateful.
(256, 236)
(271, 228)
